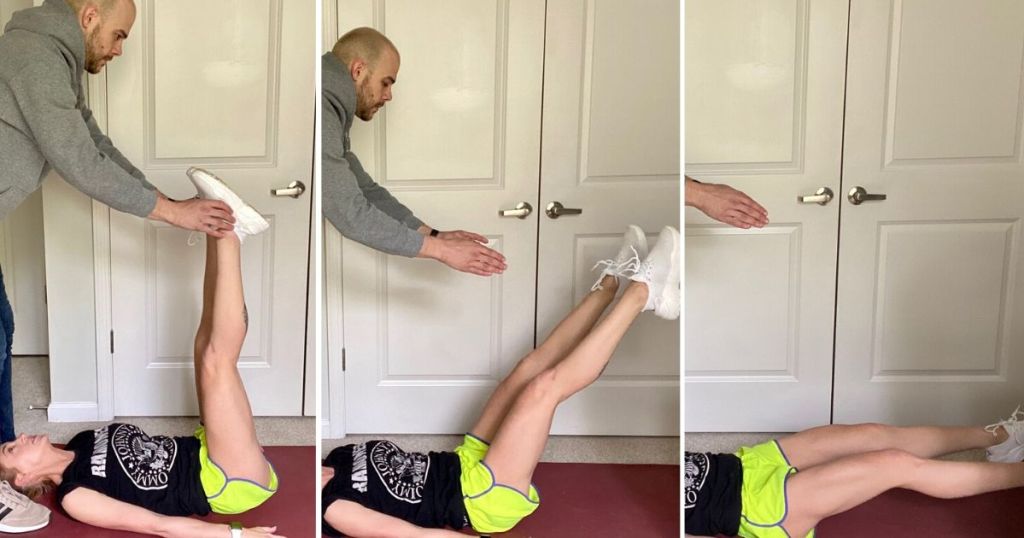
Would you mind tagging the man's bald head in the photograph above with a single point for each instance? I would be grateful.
(372, 61)
(104, 6)
(364, 44)
(105, 25)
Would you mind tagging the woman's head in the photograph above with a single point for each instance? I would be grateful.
(24, 463)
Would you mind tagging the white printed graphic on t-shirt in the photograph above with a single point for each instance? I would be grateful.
(402, 473)
(695, 473)
(98, 461)
(146, 460)
(359, 468)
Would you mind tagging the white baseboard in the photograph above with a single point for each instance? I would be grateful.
(73, 412)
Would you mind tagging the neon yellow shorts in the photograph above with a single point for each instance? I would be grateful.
(229, 495)
(763, 497)
(491, 507)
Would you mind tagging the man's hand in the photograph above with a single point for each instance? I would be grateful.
(212, 217)
(462, 234)
(467, 255)
(725, 204)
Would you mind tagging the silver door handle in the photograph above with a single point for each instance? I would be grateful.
(294, 189)
(520, 211)
(821, 196)
(556, 209)
(858, 195)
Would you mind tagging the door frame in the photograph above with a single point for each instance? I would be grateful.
(332, 418)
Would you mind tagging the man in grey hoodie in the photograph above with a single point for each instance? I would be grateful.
(45, 123)
(357, 78)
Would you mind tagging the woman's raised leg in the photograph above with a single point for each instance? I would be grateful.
(566, 335)
(224, 404)
(828, 443)
(520, 439)
(835, 487)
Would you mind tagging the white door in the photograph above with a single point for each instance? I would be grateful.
(931, 297)
(764, 113)
(611, 148)
(228, 86)
(459, 142)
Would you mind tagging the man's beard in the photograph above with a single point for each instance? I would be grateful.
(365, 105)
(93, 61)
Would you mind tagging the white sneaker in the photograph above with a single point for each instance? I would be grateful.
(247, 220)
(660, 271)
(625, 263)
(1012, 449)
(18, 513)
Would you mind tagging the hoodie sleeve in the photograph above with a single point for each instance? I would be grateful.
(380, 197)
(345, 204)
(63, 135)
(106, 146)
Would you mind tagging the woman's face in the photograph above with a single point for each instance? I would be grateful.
(25, 453)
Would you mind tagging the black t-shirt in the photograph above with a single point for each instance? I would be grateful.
(712, 502)
(423, 489)
(120, 461)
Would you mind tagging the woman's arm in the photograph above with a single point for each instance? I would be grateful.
(357, 521)
(98, 510)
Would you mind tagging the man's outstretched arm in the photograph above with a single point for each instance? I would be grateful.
(357, 218)
(63, 136)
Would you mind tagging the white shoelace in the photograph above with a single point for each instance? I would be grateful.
(1005, 424)
(626, 268)
(12, 497)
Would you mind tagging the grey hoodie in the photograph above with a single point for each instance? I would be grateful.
(45, 123)
(357, 206)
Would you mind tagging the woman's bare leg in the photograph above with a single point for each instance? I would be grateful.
(835, 487)
(230, 431)
(520, 439)
(206, 319)
(562, 339)
(828, 443)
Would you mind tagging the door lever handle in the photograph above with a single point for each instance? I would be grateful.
(858, 195)
(294, 189)
(520, 211)
(556, 209)
(821, 196)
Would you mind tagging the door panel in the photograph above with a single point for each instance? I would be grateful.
(611, 148)
(239, 105)
(929, 300)
(459, 141)
(764, 98)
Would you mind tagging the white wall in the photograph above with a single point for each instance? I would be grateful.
(7, 7)
(70, 283)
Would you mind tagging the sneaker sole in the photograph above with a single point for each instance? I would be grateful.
(19, 530)
(670, 293)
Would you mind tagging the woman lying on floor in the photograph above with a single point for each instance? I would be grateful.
(758, 493)
(376, 489)
(118, 477)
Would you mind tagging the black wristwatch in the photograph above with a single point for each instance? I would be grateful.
(434, 233)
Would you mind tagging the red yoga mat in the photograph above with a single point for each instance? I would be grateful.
(292, 508)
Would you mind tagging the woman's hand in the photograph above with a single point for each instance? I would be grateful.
(326, 474)
(260, 532)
